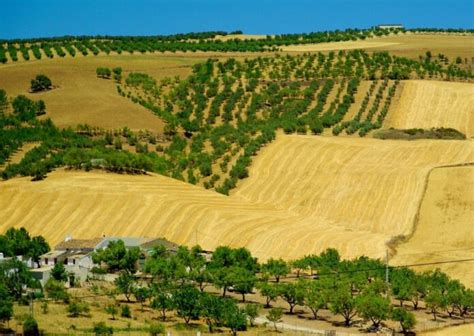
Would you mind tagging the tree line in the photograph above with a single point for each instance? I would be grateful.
(182, 281)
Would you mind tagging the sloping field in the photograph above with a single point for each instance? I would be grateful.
(82, 98)
(444, 228)
(358, 184)
(427, 104)
(304, 194)
(92, 204)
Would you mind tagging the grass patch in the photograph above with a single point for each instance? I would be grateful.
(439, 133)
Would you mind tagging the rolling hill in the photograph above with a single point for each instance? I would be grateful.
(315, 192)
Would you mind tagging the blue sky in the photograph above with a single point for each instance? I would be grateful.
(41, 18)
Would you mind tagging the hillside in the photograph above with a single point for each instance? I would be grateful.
(315, 192)
(357, 184)
(81, 97)
(426, 104)
(443, 229)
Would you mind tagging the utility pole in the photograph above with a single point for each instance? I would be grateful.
(386, 266)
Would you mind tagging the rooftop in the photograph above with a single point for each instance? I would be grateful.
(78, 244)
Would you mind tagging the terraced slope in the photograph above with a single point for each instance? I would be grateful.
(427, 104)
(444, 228)
(304, 194)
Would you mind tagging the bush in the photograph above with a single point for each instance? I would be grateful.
(76, 308)
(125, 311)
(103, 72)
(40, 83)
(156, 329)
(30, 327)
(101, 328)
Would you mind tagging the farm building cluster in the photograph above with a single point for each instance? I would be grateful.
(76, 256)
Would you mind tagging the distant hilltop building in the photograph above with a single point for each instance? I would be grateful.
(390, 26)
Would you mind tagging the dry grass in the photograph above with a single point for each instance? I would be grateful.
(444, 227)
(81, 97)
(426, 104)
(413, 45)
(315, 192)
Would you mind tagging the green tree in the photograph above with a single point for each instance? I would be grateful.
(374, 307)
(269, 291)
(252, 310)
(403, 284)
(117, 74)
(292, 293)
(405, 318)
(141, 295)
(3, 102)
(213, 308)
(38, 247)
(59, 272)
(344, 304)
(235, 318)
(163, 301)
(56, 290)
(112, 310)
(314, 297)
(30, 327)
(6, 304)
(15, 275)
(274, 315)
(243, 281)
(117, 257)
(435, 301)
(125, 284)
(187, 301)
(276, 268)
(40, 83)
(24, 108)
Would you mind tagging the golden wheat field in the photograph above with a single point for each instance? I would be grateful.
(444, 228)
(304, 194)
(427, 104)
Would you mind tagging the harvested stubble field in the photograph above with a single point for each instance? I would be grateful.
(444, 226)
(81, 97)
(428, 104)
(304, 194)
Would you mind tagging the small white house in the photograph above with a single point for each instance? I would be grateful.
(390, 26)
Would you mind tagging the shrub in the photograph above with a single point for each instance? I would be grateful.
(156, 329)
(103, 72)
(30, 327)
(76, 308)
(101, 328)
(125, 311)
(40, 83)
